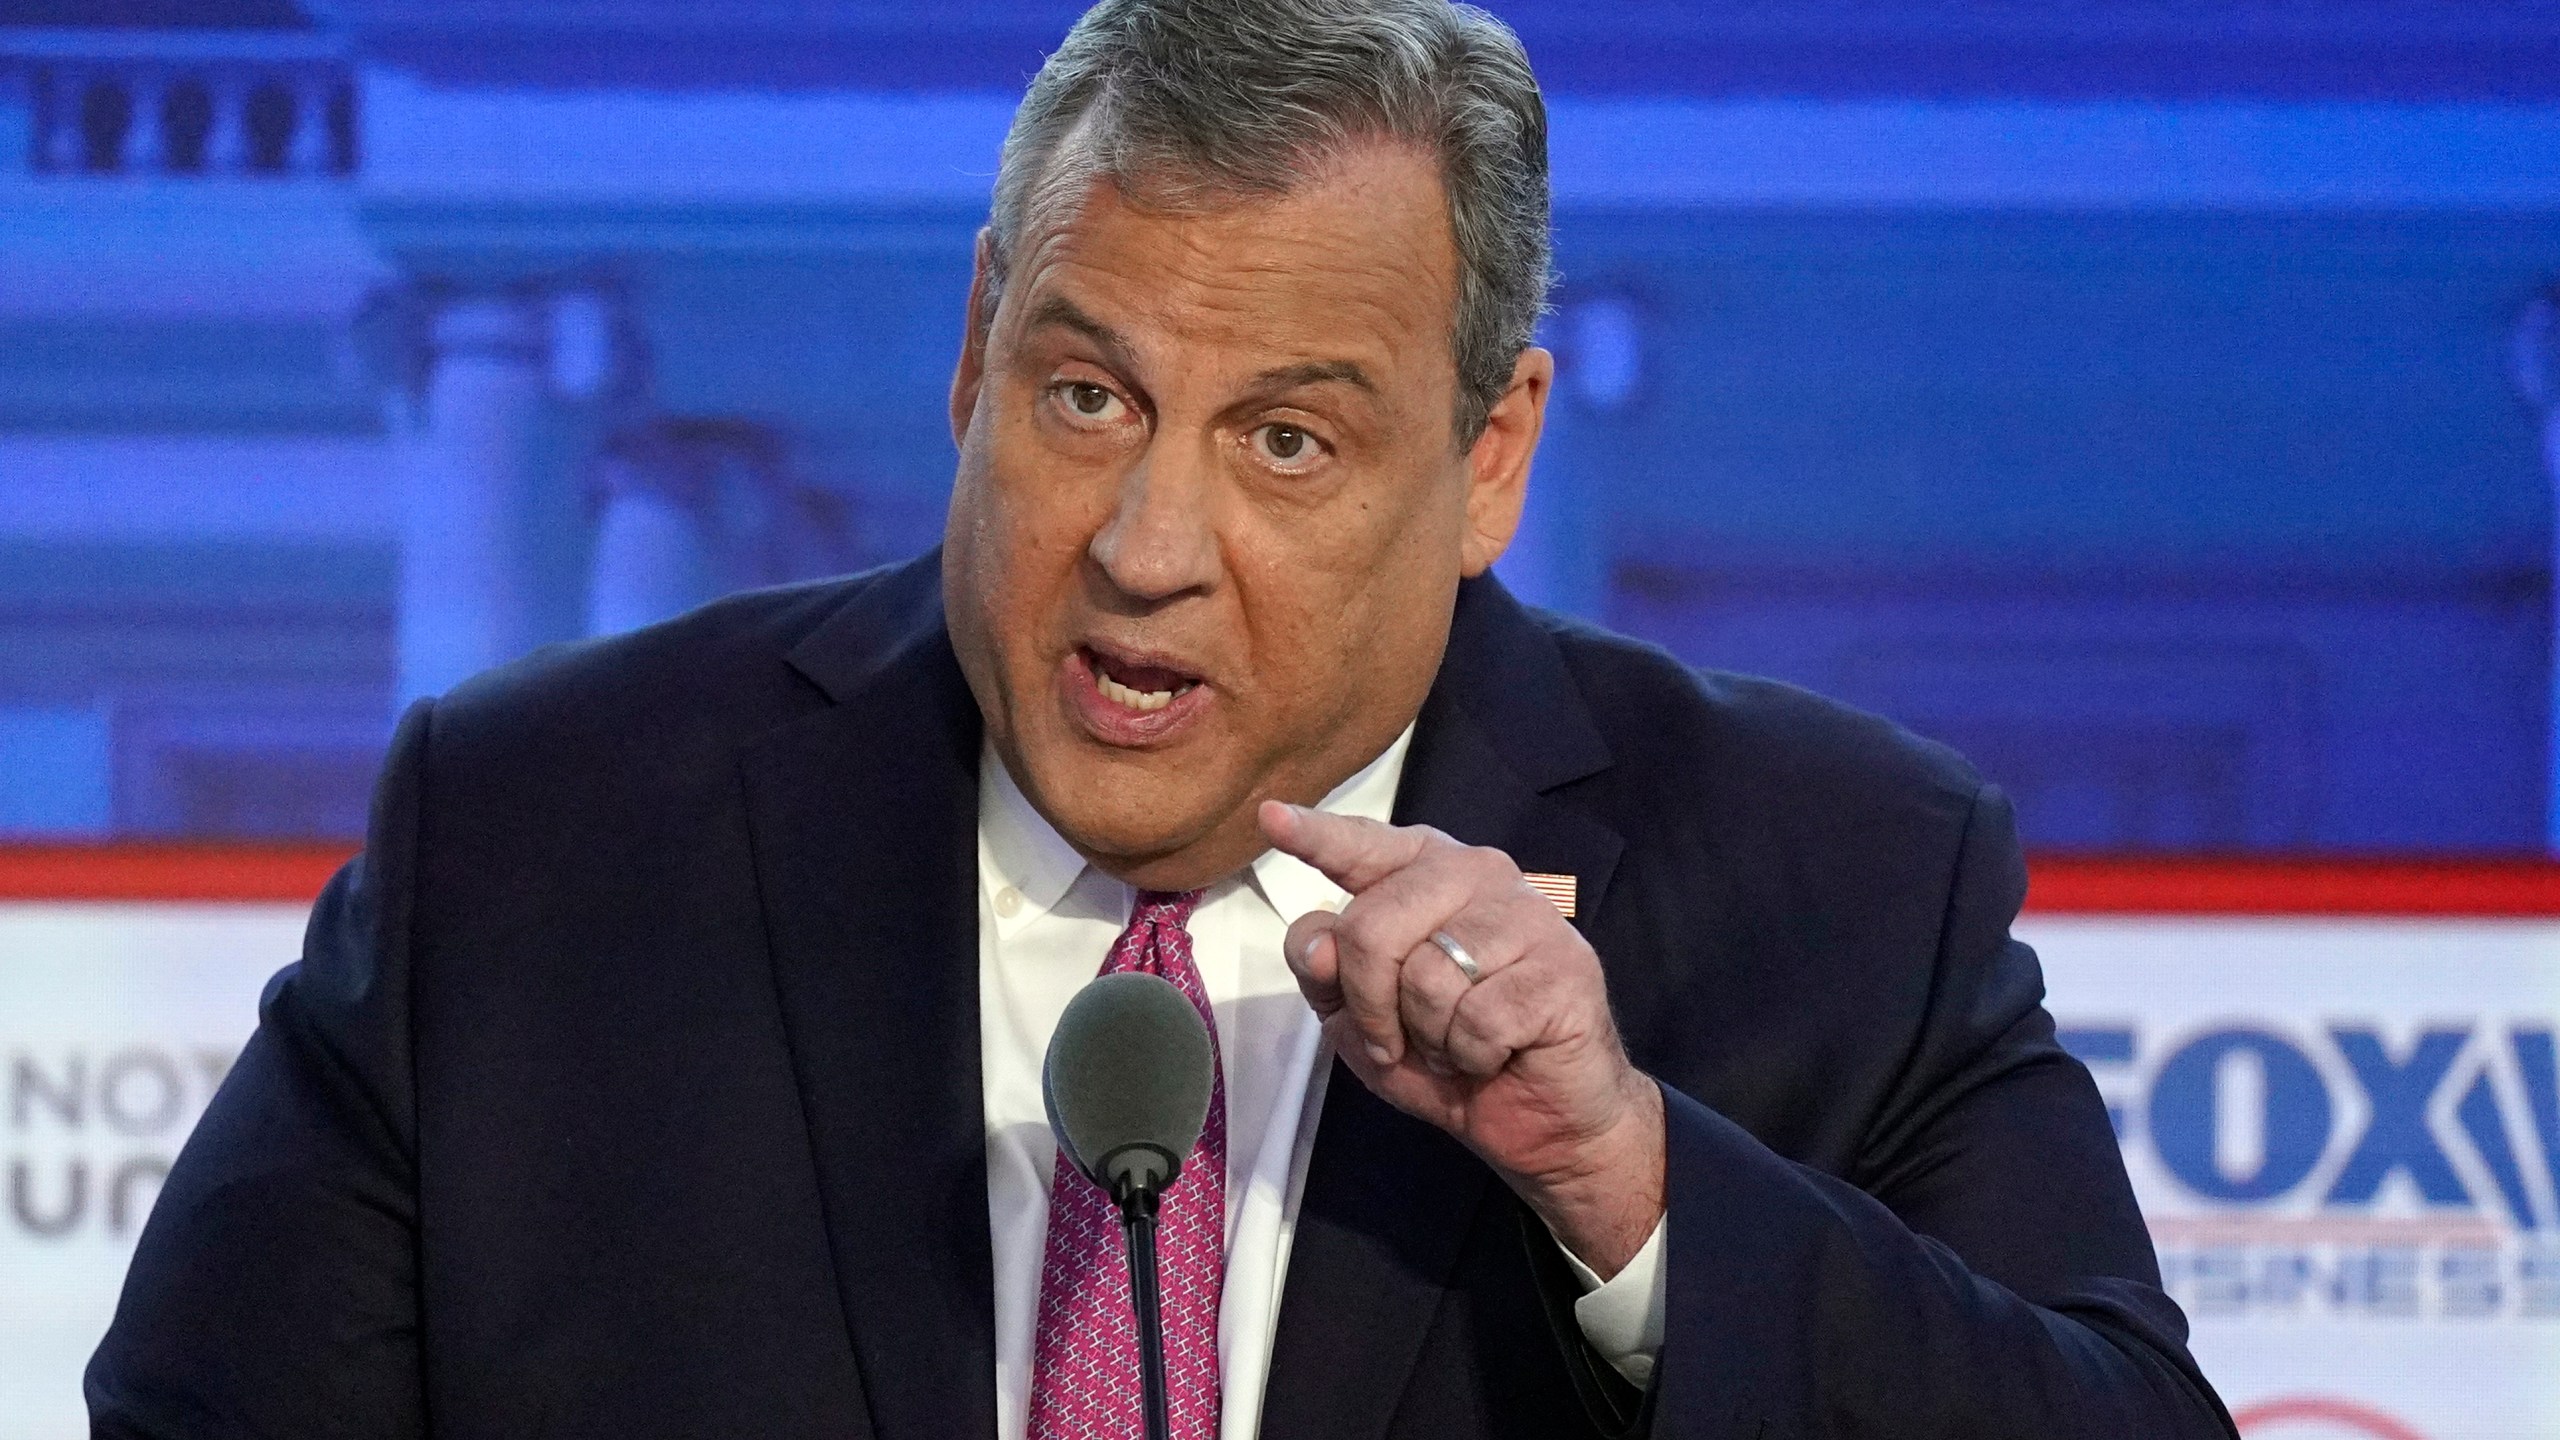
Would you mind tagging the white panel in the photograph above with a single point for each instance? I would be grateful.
(2381, 1235)
(2440, 1317)
(424, 141)
(711, 147)
(1896, 154)
(115, 1023)
(76, 487)
(183, 246)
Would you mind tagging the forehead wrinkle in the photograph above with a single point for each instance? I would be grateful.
(1065, 314)
(1060, 311)
(1312, 372)
(1210, 274)
(1349, 166)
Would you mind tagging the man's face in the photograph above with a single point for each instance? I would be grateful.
(1210, 514)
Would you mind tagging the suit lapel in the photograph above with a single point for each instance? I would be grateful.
(1389, 1199)
(864, 823)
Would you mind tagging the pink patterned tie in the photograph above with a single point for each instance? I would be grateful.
(1084, 1356)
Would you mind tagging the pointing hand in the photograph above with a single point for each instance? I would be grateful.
(1522, 1062)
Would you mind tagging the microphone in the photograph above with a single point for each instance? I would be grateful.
(1126, 1083)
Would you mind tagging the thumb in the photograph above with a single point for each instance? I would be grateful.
(1315, 959)
(1352, 851)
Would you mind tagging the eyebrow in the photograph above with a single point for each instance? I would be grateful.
(1313, 372)
(1060, 311)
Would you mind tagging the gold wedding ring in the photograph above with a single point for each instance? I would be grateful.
(1458, 955)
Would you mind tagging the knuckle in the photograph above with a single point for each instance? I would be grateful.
(1517, 1007)
(1379, 990)
(1364, 930)
(1414, 978)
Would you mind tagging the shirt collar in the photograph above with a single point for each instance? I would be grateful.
(1291, 885)
(1019, 848)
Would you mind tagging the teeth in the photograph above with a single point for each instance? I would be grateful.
(1120, 694)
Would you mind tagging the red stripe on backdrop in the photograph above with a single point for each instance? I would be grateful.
(168, 871)
(2061, 885)
(2091, 885)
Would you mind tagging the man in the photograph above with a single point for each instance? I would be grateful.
(669, 1063)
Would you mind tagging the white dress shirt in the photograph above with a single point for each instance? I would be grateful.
(1046, 921)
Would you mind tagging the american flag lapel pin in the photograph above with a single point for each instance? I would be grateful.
(1559, 890)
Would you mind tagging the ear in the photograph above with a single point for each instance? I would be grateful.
(1498, 464)
(972, 369)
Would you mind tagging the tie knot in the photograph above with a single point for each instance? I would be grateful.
(1164, 907)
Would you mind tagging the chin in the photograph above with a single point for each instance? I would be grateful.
(1120, 827)
(1125, 819)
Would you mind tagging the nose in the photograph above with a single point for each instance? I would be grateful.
(1160, 541)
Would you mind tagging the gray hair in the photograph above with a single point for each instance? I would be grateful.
(1189, 101)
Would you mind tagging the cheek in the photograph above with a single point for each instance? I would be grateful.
(1027, 527)
(974, 564)
(1347, 606)
(1311, 601)
(1364, 554)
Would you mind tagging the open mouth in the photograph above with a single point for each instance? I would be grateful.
(1137, 685)
(1132, 699)
(1145, 685)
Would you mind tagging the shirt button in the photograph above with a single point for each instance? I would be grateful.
(1008, 902)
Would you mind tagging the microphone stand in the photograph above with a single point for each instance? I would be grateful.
(1138, 1223)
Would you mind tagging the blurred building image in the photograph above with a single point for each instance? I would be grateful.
(2142, 398)
(2158, 402)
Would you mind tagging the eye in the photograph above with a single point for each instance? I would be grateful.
(1084, 400)
(1286, 447)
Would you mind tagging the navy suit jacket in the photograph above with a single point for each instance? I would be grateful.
(628, 1083)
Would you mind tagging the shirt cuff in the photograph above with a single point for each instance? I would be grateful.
(1622, 1316)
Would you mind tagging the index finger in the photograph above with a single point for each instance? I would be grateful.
(1352, 852)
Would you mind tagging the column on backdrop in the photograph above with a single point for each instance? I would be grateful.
(496, 402)
(690, 508)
